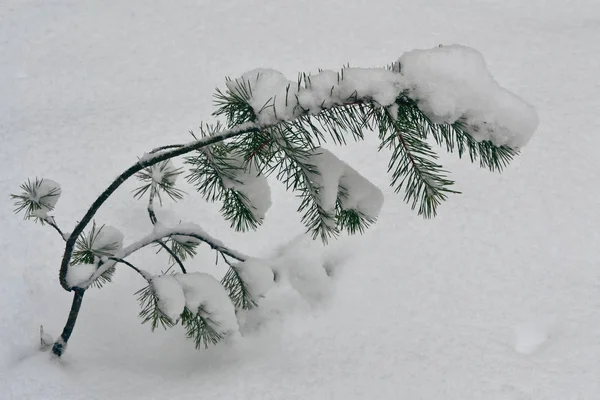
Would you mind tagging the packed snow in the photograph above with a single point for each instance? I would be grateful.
(171, 300)
(206, 296)
(449, 83)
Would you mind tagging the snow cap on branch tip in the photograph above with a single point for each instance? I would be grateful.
(108, 241)
(452, 84)
(38, 197)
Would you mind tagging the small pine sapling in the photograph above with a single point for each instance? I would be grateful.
(269, 126)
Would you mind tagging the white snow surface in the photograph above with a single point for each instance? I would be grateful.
(435, 309)
(204, 294)
(359, 193)
(169, 292)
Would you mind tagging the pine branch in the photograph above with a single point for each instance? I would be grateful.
(200, 329)
(52, 222)
(294, 170)
(138, 166)
(175, 253)
(280, 141)
(150, 311)
(159, 178)
(86, 252)
(455, 137)
(351, 221)
(209, 169)
(238, 290)
(161, 233)
(36, 199)
(412, 162)
(153, 219)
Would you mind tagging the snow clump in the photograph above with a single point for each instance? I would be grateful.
(251, 184)
(206, 296)
(449, 83)
(336, 179)
(169, 292)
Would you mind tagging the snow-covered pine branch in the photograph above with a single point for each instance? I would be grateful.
(275, 126)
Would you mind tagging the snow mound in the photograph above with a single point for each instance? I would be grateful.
(205, 295)
(301, 262)
(531, 335)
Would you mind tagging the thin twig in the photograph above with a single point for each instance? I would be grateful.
(130, 265)
(50, 221)
(154, 220)
(172, 254)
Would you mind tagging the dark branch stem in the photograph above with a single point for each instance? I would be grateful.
(151, 213)
(60, 345)
(172, 254)
(259, 148)
(50, 221)
(130, 265)
(129, 172)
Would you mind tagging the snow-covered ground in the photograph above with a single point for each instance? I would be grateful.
(496, 298)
